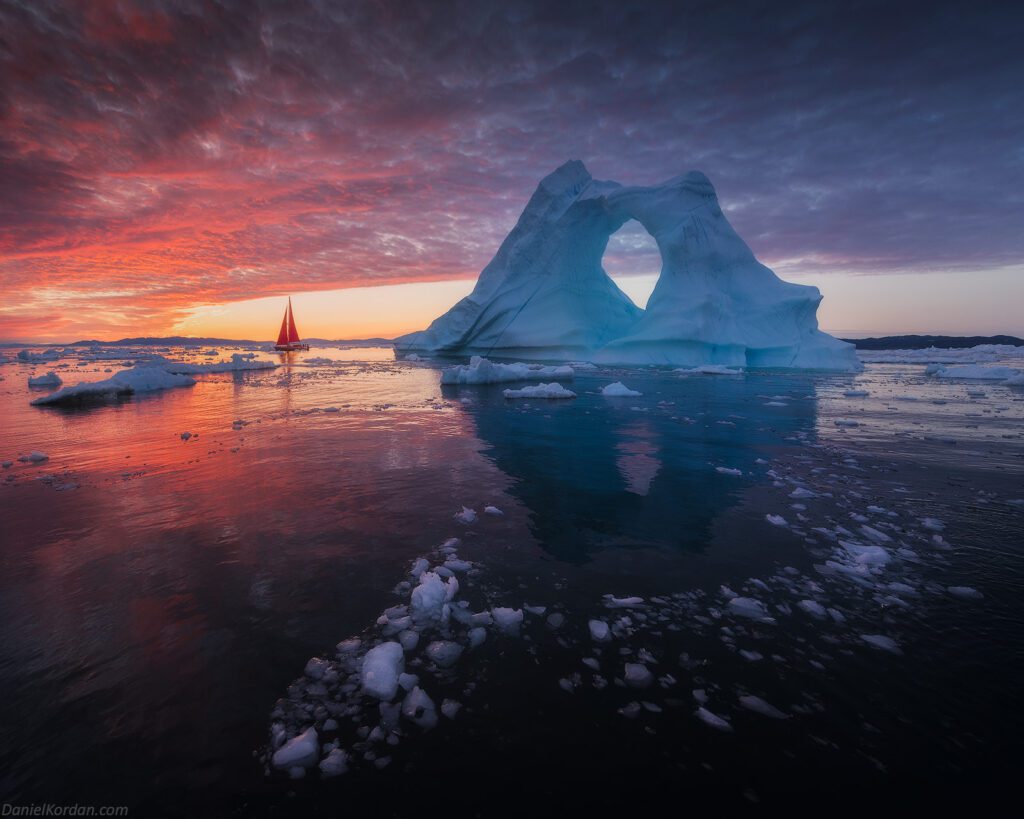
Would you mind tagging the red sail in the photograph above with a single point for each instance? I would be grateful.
(293, 334)
(282, 337)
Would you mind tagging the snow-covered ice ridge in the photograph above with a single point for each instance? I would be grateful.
(545, 294)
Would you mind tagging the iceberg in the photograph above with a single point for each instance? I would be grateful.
(545, 295)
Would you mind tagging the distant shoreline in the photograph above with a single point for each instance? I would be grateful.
(906, 342)
(188, 341)
(915, 342)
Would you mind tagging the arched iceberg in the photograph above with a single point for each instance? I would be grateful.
(545, 294)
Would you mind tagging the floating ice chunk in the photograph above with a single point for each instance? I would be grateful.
(316, 668)
(507, 619)
(537, 610)
(482, 371)
(801, 493)
(725, 470)
(450, 708)
(408, 681)
(555, 620)
(813, 608)
(866, 555)
(875, 535)
(186, 435)
(138, 379)
(710, 369)
(334, 764)
(713, 720)
(965, 592)
(466, 516)
(776, 520)
(637, 675)
(34, 457)
(613, 602)
(599, 630)
(428, 598)
(457, 565)
(300, 751)
(444, 653)
(977, 372)
(51, 379)
(419, 566)
(749, 607)
(631, 710)
(752, 656)
(618, 390)
(238, 362)
(47, 355)
(880, 641)
(933, 524)
(759, 706)
(382, 666)
(349, 646)
(419, 708)
(493, 510)
(552, 390)
(477, 636)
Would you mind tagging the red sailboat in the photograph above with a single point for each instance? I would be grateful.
(288, 339)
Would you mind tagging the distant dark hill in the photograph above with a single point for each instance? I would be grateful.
(923, 342)
(189, 341)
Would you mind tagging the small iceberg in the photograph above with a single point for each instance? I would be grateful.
(618, 390)
(127, 382)
(51, 379)
(540, 391)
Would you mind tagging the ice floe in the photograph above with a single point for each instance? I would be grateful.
(51, 379)
(483, 371)
(540, 391)
(618, 390)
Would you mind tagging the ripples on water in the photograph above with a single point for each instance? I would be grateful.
(159, 596)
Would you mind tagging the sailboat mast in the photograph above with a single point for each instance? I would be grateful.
(293, 334)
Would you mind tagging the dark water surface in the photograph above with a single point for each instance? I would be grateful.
(159, 596)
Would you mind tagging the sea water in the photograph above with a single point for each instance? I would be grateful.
(806, 592)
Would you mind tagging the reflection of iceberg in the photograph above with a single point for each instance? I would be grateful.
(597, 474)
(546, 295)
(638, 458)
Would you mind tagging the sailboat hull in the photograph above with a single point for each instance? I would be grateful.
(288, 348)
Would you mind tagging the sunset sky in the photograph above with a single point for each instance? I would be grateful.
(181, 167)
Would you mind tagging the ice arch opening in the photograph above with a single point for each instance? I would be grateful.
(545, 295)
(633, 261)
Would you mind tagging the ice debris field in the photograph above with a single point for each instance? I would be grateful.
(875, 564)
